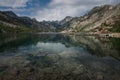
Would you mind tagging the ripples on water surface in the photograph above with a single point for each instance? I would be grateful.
(59, 57)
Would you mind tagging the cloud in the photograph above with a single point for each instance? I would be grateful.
(52, 9)
(58, 12)
(13, 3)
(58, 9)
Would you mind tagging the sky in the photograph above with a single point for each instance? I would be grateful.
(52, 9)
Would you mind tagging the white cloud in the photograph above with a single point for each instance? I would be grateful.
(58, 9)
(13, 3)
(58, 12)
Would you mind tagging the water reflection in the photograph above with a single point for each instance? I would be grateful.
(59, 57)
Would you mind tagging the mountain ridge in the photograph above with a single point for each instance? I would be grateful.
(9, 19)
(94, 19)
(101, 19)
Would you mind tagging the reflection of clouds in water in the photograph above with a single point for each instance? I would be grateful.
(28, 49)
(55, 47)
(56, 57)
(52, 48)
(60, 48)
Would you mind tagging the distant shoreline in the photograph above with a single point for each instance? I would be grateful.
(84, 34)
(117, 35)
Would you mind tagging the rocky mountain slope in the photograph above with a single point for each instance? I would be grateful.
(100, 19)
(10, 22)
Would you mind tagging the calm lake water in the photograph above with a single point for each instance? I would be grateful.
(59, 57)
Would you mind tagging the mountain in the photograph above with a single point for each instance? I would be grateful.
(100, 19)
(9, 13)
(65, 20)
(10, 22)
(55, 25)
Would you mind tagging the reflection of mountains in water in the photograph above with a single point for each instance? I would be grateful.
(72, 62)
(100, 46)
(95, 45)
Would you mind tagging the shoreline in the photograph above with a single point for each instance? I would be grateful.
(116, 35)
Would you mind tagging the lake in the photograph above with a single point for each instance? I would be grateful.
(59, 57)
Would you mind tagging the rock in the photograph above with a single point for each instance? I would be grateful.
(3, 68)
(79, 69)
(53, 57)
(100, 77)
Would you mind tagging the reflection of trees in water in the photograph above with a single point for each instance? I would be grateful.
(59, 67)
(95, 45)
(116, 43)
(99, 46)
(9, 42)
(14, 41)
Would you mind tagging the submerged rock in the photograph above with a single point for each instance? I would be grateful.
(53, 57)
